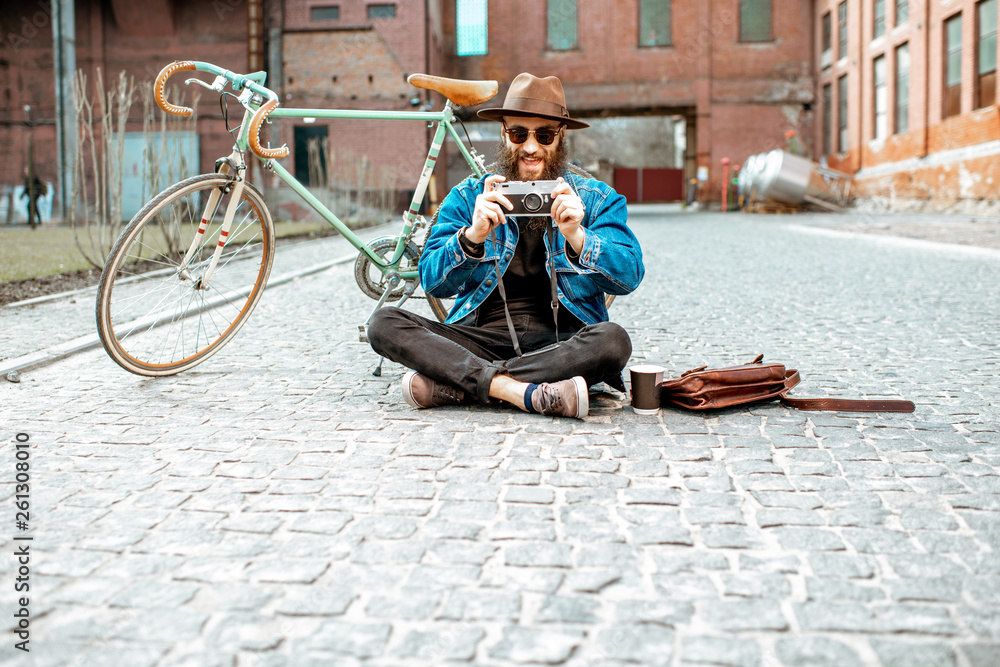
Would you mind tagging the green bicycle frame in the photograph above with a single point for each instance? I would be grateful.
(254, 83)
(444, 127)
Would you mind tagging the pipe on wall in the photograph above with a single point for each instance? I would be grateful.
(64, 67)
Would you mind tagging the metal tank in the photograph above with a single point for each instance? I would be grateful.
(796, 181)
(748, 175)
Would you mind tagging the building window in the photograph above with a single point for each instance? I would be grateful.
(826, 28)
(842, 142)
(902, 88)
(953, 66)
(842, 30)
(878, 9)
(827, 119)
(324, 13)
(382, 11)
(310, 156)
(471, 28)
(755, 20)
(562, 22)
(654, 23)
(986, 55)
(881, 98)
(902, 11)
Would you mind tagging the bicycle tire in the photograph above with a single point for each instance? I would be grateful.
(438, 307)
(144, 317)
(371, 281)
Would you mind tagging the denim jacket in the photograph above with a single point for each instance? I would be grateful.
(609, 263)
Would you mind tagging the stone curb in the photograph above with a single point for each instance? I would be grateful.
(91, 341)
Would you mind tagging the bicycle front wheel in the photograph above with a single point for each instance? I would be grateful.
(162, 308)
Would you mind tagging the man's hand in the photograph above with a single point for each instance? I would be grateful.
(488, 212)
(567, 211)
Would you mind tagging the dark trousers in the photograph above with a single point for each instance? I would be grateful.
(33, 215)
(468, 357)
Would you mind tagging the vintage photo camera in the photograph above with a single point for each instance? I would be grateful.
(530, 198)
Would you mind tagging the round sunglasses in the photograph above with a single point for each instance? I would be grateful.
(544, 136)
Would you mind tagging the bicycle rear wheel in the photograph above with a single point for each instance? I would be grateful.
(158, 316)
(440, 307)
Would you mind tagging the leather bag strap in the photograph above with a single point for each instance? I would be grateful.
(848, 404)
(840, 404)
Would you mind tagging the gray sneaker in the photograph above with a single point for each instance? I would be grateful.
(422, 392)
(568, 398)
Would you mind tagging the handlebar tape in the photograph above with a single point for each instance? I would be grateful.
(159, 92)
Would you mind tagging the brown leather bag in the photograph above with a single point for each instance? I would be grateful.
(757, 382)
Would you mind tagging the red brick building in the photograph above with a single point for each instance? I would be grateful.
(742, 74)
(738, 71)
(907, 97)
(346, 54)
(355, 55)
(114, 36)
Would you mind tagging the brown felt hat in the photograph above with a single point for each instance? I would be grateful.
(530, 96)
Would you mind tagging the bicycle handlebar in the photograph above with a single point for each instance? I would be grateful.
(254, 132)
(238, 82)
(159, 88)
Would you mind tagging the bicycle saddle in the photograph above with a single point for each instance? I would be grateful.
(461, 92)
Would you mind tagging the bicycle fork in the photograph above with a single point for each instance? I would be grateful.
(211, 206)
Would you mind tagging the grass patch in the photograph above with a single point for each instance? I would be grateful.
(43, 252)
(49, 251)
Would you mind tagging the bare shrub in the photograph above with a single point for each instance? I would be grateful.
(96, 211)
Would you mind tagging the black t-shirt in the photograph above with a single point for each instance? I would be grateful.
(526, 283)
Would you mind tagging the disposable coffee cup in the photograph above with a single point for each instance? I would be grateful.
(646, 381)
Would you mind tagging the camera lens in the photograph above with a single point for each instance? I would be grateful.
(532, 201)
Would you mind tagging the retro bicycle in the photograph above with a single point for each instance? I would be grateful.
(190, 267)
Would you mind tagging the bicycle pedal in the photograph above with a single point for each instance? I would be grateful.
(362, 333)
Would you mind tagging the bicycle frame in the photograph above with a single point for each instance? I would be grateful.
(411, 217)
(261, 104)
(181, 288)
(207, 214)
(443, 120)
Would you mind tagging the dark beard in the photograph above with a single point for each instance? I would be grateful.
(555, 165)
(507, 162)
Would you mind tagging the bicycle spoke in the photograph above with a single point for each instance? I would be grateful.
(228, 301)
(140, 297)
(137, 323)
(154, 321)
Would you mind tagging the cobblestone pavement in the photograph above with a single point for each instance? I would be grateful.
(280, 505)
